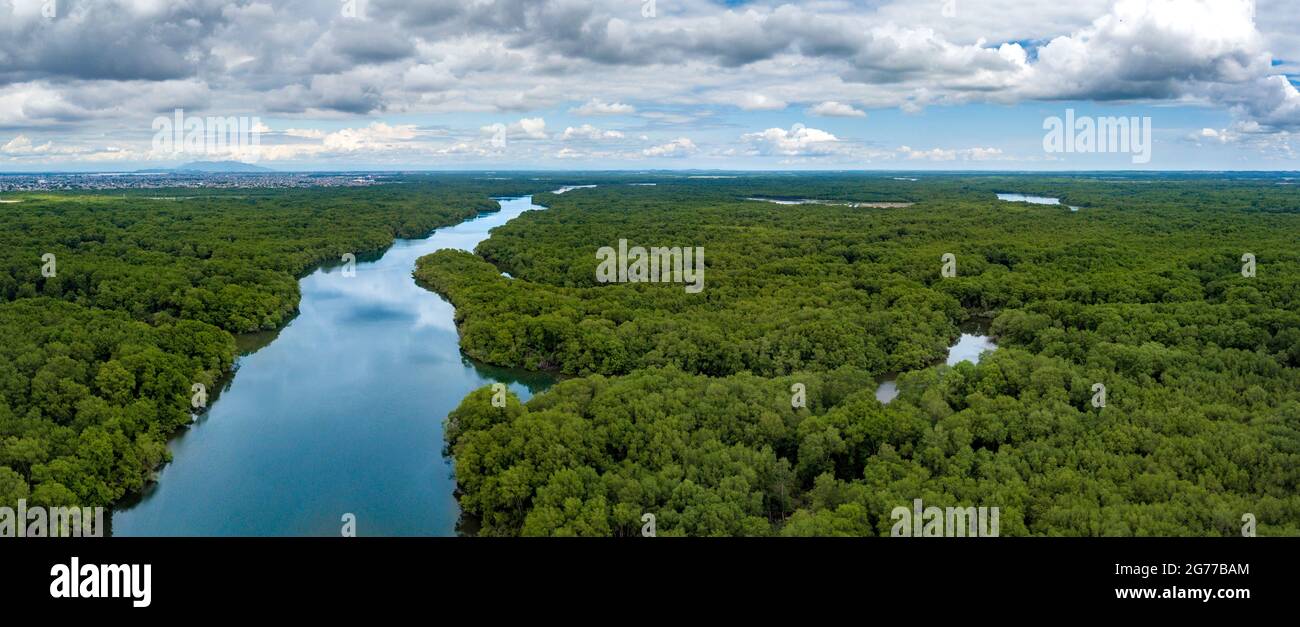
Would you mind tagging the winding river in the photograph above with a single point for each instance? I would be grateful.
(341, 411)
(340, 414)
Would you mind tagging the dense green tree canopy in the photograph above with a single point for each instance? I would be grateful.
(98, 361)
(682, 402)
(685, 410)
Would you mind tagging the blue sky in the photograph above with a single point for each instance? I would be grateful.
(627, 84)
(1016, 130)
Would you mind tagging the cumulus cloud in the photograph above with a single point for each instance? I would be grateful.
(526, 128)
(1152, 49)
(760, 102)
(596, 106)
(947, 154)
(530, 128)
(680, 147)
(305, 61)
(1218, 136)
(1271, 101)
(798, 140)
(21, 148)
(376, 135)
(1249, 134)
(587, 131)
(834, 109)
(308, 133)
(147, 43)
(21, 145)
(374, 139)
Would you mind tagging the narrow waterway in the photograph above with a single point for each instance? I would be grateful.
(338, 413)
(970, 346)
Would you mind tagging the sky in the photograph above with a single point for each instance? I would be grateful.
(118, 85)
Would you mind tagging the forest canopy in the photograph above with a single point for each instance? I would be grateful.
(102, 347)
(683, 405)
(679, 404)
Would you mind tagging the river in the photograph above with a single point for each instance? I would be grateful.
(341, 411)
(340, 414)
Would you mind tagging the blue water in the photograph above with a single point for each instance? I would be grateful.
(970, 346)
(340, 413)
(1034, 200)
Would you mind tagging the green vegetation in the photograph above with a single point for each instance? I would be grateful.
(97, 362)
(685, 407)
(681, 403)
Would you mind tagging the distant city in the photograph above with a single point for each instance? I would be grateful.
(172, 180)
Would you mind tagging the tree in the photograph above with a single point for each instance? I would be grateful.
(115, 383)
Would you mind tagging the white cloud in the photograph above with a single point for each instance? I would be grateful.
(596, 106)
(21, 145)
(375, 136)
(760, 102)
(690, 67)
(308, 133)
(680, 147)
(524, 128)
(799, 140)
(1152, 49)
(1271, 101)
(1248, 134)
(947, 154)
(531, 128)
(587, 131)
(32, 104)
(23, 148)
(428, 77)
(1221, 136)
(831, 108)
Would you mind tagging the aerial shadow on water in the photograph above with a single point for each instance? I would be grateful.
(533, 381)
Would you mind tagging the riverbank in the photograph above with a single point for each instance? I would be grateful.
(340, 411)
(250, 342)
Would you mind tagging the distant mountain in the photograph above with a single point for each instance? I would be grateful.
(221, 166)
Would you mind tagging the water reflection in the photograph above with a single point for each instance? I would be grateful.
(340, 412)
(970, 346)
(1033, 200)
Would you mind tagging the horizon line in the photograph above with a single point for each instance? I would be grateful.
(177, 171)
